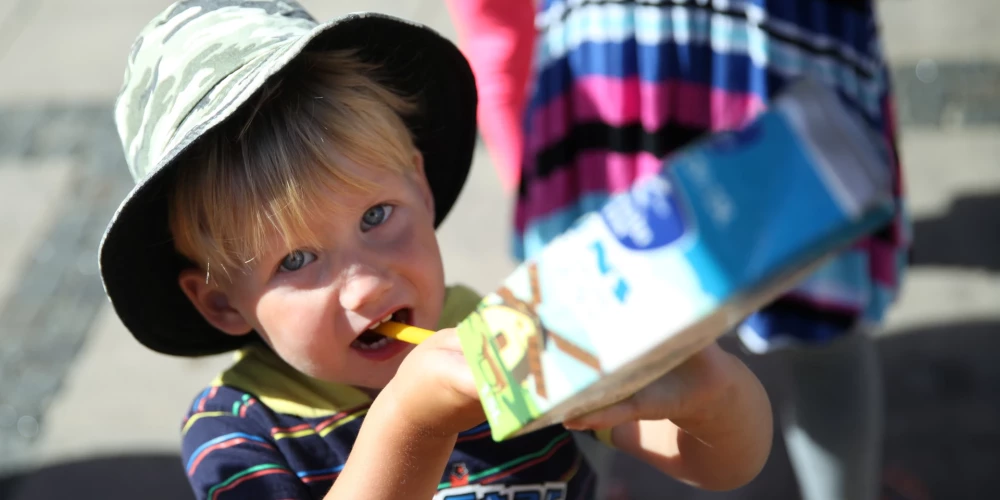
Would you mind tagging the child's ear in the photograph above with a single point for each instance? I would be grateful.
(212, 303)
(425, 187)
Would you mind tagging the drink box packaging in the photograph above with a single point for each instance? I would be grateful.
(662, 270)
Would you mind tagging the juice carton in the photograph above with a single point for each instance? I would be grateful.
(663, 270)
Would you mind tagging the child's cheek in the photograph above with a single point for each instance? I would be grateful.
(417, 259)
(291, 320)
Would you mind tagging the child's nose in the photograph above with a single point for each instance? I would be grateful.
(363, 288)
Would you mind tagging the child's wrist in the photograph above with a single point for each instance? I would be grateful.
(399, 408)
(408, 457)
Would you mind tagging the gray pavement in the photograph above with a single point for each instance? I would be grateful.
(83, 406)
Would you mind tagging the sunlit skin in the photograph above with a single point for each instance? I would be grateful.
(377, 254)
(707, 422)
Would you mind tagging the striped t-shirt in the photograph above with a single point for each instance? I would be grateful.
(263, 430)
(618, 85)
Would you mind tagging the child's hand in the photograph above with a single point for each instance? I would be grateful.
(411, 427)
(707, 422)
(693, 390)
(434, 388)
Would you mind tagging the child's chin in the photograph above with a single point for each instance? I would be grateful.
(380, 373)
(359, 371)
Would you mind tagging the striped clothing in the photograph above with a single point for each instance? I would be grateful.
(619, 85)
(263, 430)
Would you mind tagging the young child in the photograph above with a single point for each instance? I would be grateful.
(290, 177)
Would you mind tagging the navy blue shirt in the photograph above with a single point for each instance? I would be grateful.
(263, 430)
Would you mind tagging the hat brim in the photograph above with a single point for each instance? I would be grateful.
(139, 265)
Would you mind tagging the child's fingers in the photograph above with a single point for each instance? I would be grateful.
(436, 387)
(443, 339)
(442, 353)
(657, 401)
(686, 392)
(461, 375)
(605, 417)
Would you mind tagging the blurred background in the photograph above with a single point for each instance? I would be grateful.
(86, 412)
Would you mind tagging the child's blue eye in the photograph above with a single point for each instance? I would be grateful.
(375, 216)
(296, 260)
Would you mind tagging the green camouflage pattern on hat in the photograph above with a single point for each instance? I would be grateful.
(196, 64)
(193, 65)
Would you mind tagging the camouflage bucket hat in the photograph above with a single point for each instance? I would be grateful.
(192, 67)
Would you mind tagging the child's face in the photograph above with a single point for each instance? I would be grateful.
(378, 257)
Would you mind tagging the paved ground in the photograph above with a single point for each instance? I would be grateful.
(71, 414)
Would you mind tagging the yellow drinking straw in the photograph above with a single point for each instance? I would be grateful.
(404, 332)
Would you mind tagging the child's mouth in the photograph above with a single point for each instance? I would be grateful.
(370, 341)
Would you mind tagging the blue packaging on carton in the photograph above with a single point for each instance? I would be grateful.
(664, 269)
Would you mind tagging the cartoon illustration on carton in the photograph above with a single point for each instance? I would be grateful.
(513, 342)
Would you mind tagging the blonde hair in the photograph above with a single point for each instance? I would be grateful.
(274, 162)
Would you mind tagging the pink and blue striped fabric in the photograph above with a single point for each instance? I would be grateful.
(619, 85)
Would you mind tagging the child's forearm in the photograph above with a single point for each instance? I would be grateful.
(720, 449)
(392, 459)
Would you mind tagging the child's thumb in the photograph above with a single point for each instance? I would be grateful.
(656, 401)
